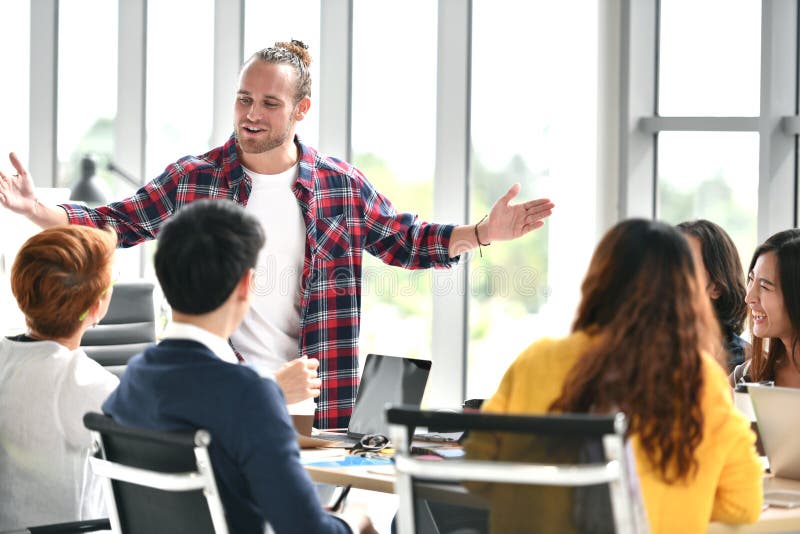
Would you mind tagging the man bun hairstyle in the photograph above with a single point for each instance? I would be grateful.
(294, 53)
(203, 252)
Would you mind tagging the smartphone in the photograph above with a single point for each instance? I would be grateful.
(782, 499)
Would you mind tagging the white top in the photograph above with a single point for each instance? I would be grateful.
(45, 389)
(268, 336)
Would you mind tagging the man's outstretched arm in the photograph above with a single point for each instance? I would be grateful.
(504, 222)
(18, 194)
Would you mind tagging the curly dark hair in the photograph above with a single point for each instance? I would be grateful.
(642, 300)
(786, 246)
(293, 53)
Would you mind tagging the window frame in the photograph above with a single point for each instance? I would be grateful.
(778, 124)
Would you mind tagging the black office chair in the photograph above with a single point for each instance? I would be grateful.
(156, 481)
(565, 473)
(128, 328)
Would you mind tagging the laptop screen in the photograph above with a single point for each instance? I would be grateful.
(386, 379)
(777, 410)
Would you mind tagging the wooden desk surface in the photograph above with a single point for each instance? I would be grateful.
(368, 477)
(381, 478)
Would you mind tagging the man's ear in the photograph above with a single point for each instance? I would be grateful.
(301, 109)
(242, 289)
(713, 291)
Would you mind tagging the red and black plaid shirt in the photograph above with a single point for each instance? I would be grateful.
(344, 216)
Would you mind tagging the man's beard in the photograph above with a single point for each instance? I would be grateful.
(264, 144)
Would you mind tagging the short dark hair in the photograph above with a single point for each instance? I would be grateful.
(203, 252)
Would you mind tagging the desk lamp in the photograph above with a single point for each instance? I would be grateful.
(88, 189)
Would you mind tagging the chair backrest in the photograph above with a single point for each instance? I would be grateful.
(127, 329)
(156, 481)
(556, 473)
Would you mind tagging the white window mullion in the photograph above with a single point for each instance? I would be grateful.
(651, 125)
(336, 87)
(129, 124)
(609, 105)
(777, 172)
(451, 186)
(638, 99)
(228, 58)
(44, 92)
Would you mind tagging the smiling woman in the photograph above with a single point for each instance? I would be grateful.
(772, 285)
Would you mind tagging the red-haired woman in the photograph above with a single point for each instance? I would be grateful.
(641, 343)
(61, 279)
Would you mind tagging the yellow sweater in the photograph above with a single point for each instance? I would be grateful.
(727, 486)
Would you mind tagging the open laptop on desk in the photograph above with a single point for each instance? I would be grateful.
(385, 380)
(777, 411)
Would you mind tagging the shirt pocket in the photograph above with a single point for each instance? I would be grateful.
(333, 238)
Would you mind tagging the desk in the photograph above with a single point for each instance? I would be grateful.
(381, 478)
(772, 519)
(368, 477)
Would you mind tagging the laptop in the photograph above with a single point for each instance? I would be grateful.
(777, 411)
(385, 380)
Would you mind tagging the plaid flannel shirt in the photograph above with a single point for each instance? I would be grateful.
(344, 216)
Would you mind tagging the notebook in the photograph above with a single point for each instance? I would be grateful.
(385, 380)
(777, 411)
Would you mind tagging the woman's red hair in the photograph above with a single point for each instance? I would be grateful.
(60, 273)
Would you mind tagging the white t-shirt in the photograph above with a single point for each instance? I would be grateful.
(45, 389)
(268, 335)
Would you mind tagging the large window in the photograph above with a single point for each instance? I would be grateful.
(534, 122)
(87, 87)
(709, 57)
(270, 22)
(393, 136)
(710, 70)
(180, 70)
(714, 176)
(13, 138)
(15, 62)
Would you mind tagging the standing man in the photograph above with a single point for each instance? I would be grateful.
(190, 379)
(321, 214)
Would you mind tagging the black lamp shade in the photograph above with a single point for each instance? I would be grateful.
(87, 187)
(88, 191)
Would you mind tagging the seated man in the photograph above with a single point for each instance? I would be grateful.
(191, 379)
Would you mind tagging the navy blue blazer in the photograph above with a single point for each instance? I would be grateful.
(182, 385)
